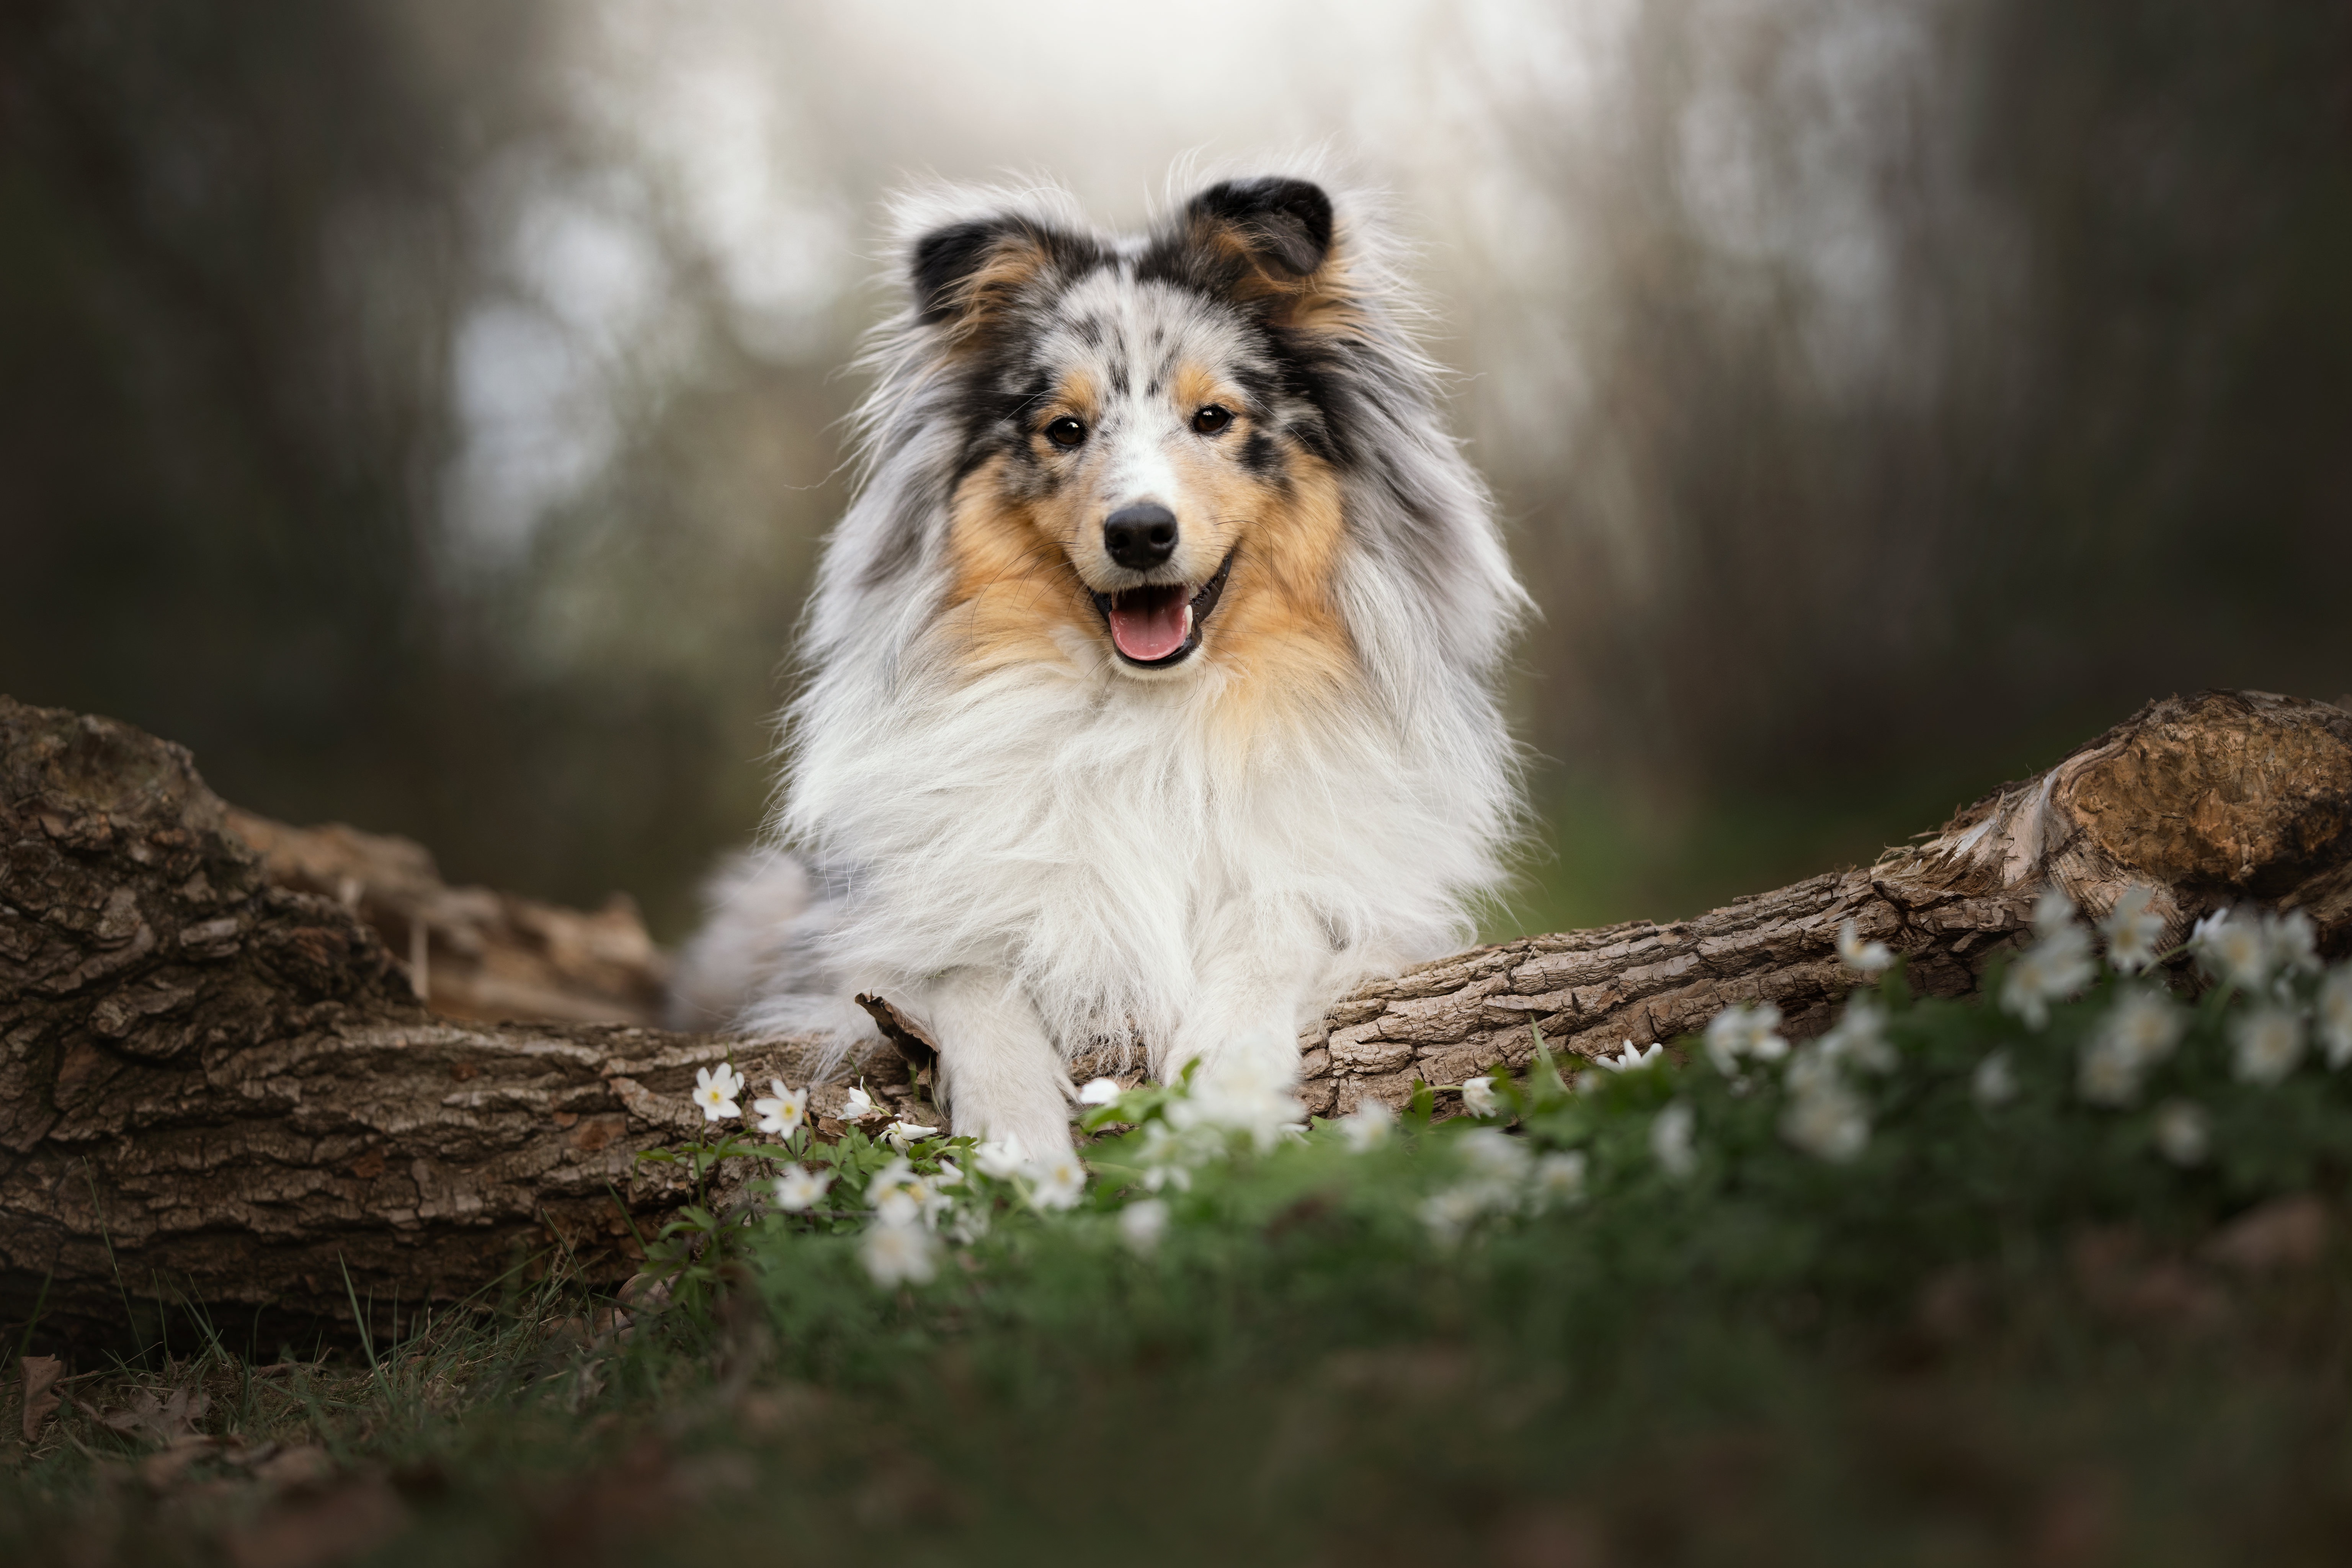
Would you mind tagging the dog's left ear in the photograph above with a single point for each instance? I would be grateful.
(1269, 243)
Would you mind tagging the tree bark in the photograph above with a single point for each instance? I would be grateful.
(220, 1090)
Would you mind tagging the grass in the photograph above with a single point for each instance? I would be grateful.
(1998, 1334)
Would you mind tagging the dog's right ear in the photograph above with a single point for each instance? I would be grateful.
(965, 273)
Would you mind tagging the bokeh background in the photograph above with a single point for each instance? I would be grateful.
(429, 410)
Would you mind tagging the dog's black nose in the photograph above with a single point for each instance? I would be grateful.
(1141, 536)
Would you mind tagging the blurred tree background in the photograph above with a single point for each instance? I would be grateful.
(427, 410)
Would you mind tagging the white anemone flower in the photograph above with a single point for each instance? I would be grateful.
(1824, 1117)
(1745, 1031)
(782, 1112)
(1368, 1126)
(1867, 957)
(970, 1224)
(1671, 1140)
(899, 1134)
(799, 1189)
(715, 1089)
(899, 1255)
(2268, 1042)
(899, 1196)
(1000, 1158)
(859, 1106)
(1633, 1059)
(1494, 1155)
(1242, 1095)
(2234, 947)
(1058, 1181)
(1860, 1038)
(1994, 1083)
(2183, 1131)
(2294, 942)
(1559, 1178)
(2055, 967)
(1141, 1224)
(1100, 1091)
(2336, 1016)
(2139, 1031)
(1478, 1097)
(1451, 1212)
(2132, 930)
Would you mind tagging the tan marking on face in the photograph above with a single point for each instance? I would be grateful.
(1011, 588)
(1277, 633)
(1275, 639)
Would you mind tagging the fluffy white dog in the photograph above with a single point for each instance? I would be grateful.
(1149, 682)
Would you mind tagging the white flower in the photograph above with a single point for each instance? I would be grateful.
(1142, 1224)
(1100, 1091)
(783, 1112)
(1994, 1082)
(1449, 1213)
(2132, 931)
(971, 1223)
(1369, 1126)
(1869, 957)
(899, 1196)
(2293, 944)
(2335, 1015)
(1242, 1095)
(799, 1189)
(1633, 1059)
(1494, 1155)
(715, 1089)
(1559, 1178)
(2053, 968)
(1671, 1140)
(1824, 1116)
(2053, 913)
(1478, 1097)
(1167, 1153)
(2234, 947)
(1745, 1031)
(858, 1108)
(2183, 1133)
(1860, 1038)
(1058, 1181)
(2138, 1032)
(2270, 1042)
(900, 1253)
(899, 1134)
(1001, 1158)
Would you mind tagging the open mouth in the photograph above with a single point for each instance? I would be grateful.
(1160, 626)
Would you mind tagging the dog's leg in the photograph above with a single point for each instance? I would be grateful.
(1252, 981)
(999, 1074)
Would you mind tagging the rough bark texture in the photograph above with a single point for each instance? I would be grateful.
(2211, 800)
(217, 1087)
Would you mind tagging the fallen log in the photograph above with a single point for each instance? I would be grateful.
(219, 1090)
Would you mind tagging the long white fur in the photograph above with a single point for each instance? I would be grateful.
(1040, 859)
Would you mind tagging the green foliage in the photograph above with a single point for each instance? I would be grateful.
(1380, 1338)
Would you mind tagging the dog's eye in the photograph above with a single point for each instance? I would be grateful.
(1066, 432)
(1212, 419)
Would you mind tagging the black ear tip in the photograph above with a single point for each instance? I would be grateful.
(1276, 197)
(945, 257)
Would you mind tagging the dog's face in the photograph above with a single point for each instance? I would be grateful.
(1145, 460)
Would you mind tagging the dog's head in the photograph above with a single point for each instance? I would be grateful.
(1149, 441)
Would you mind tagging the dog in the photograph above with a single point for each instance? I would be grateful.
(1149, 683)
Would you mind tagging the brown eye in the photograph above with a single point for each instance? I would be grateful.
(1212, 419)
(1066, 432)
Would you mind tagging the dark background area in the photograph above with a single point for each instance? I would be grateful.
(397, 409)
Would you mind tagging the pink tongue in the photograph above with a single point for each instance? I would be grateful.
(1150, 626)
